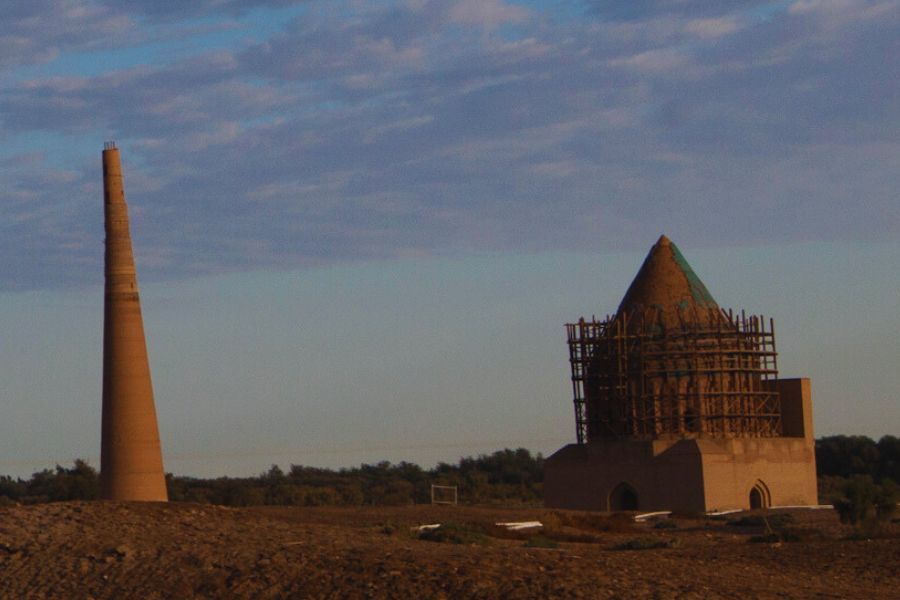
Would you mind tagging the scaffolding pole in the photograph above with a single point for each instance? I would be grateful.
(703, 375)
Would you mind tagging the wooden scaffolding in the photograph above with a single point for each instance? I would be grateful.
(653, 375)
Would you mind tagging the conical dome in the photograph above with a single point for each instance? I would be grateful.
(667, 285)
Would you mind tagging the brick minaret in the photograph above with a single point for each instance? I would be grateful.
(131, 465)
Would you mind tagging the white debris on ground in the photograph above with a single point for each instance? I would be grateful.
(650, 515)
(427, 527)
(520, 525)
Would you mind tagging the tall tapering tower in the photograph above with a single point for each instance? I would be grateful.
(131, 465)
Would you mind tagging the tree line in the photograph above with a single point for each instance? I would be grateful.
(508, 477)
(850, 455)
(504, 477)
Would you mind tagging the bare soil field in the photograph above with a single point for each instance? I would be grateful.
(129, 550)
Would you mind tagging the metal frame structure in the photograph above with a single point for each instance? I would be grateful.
(654, 374)
(436, 491)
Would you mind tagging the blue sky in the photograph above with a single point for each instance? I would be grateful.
(359, 226)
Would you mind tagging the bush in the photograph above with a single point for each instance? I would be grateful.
(81, 482)
(774, 521)
(829, 487)
(847, 455)
(455, 533)
(647, 543)
(665, 524)
(865, 503)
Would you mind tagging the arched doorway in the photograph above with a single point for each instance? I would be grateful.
(756, 500)
(623, 497)
(759, 496)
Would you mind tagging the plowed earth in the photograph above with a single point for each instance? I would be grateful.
(119, 550)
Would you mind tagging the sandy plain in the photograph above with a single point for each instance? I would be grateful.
(105, 550)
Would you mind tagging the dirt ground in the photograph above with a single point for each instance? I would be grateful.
(129, 550)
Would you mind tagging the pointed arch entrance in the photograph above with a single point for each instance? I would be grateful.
(760, 496)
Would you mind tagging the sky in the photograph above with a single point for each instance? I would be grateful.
(360, 226)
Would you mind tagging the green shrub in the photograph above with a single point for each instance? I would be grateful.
(774, 521)
(865, 503)
(647, 543)
(746, 521)
(455, 533)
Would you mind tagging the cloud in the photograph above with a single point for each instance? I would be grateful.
(179, 9)
(39, 30)
(714, 28)
(48, 239)
(667, 60)
(377, 130)
(636, 10)
(486, 13)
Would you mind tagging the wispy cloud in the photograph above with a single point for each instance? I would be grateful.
(375, 130)
(40, 30)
